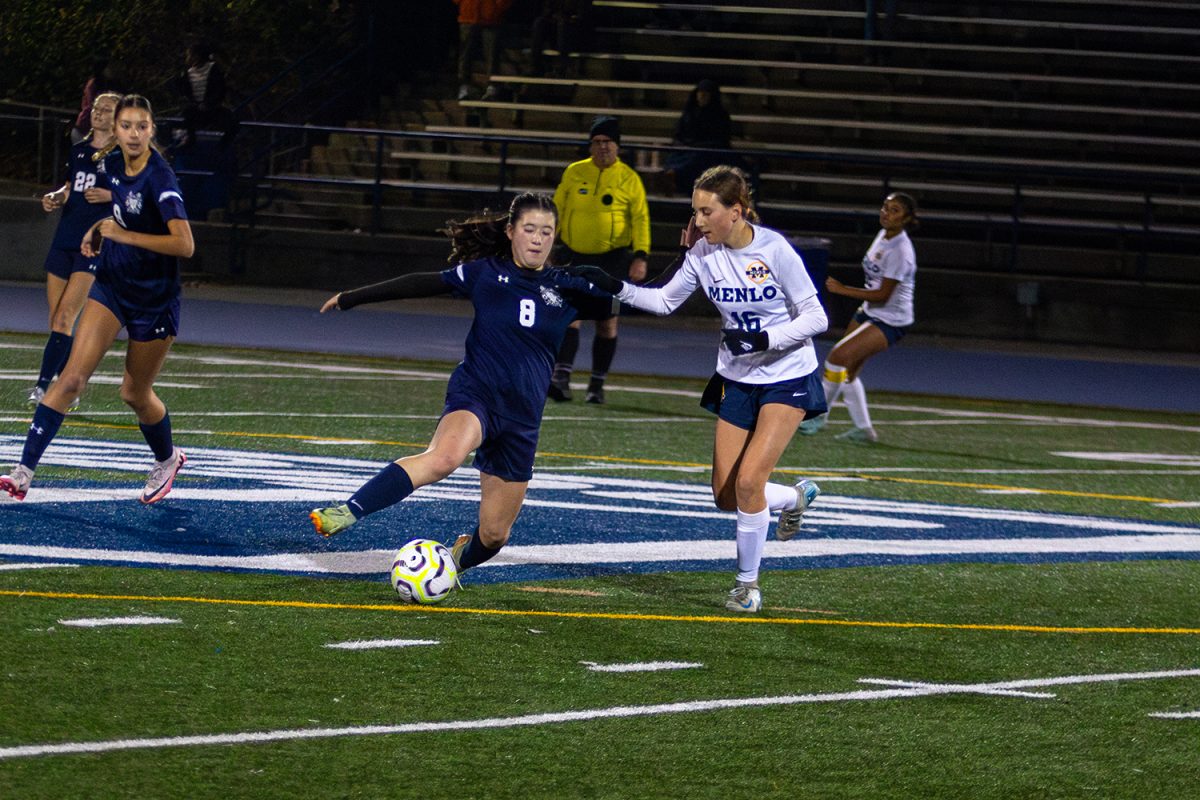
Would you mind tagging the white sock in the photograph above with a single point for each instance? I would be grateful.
(832, 382)
(855, 395)
(780, 497)
(751, 536)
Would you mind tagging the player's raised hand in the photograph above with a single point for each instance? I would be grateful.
(331, 303)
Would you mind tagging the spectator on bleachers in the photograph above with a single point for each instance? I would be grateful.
(567, 26)
(479, 23)
(604, 221)
(201, 87)
(704, 125)
(871, 29)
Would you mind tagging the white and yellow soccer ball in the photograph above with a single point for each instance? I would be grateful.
(423, 572)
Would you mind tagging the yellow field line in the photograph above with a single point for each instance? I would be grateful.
(667, 463)
(596, 615)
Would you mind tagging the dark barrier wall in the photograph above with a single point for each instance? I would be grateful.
(949, 303)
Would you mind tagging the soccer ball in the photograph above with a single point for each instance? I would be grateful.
(423, 572)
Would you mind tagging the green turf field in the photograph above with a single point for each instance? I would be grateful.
(955, 680)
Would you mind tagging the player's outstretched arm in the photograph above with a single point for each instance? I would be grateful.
(417, 284)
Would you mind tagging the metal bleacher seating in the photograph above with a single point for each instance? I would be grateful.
(1074, 121)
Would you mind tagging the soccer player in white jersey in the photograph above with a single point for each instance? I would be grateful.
(890, 273)
(766, 380)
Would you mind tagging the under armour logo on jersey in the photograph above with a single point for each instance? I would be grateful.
(502, 278)
(551, 297)
(160, 330)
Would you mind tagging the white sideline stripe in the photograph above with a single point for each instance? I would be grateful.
(373, 644)
(998, 692)
(377, 561)
(583, 715)
(102, 622)
(36, 565)
(1175, 714)
(647, 666)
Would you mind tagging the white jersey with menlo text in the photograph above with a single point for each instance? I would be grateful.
(762, 286)
(891, 258)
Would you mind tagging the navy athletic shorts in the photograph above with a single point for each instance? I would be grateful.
(892, 333)
(739, 403)
(142, 326)
(65, 262)
(508, 447)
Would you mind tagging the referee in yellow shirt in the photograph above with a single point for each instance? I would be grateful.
(603, 220)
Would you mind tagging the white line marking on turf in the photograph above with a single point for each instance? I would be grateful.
(37, 565)
(1175, 714)
(374, 644)
(103, 622)
(647, 666)
(583, 715)
(968, 689)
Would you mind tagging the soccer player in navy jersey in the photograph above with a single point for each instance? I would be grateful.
(496, 396)
(136, 252)
(84, 201)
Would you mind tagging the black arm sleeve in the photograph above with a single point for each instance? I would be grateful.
(416, 284)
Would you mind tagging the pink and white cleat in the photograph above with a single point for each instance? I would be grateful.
(17, 484)
(162, 477)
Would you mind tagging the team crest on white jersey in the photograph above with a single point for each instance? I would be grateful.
(551, 297)
(757, 271)
(133, 203)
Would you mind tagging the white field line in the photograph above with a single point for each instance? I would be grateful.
(36, 565)
(375, 644)
(646, 666)
(103, 622)
(999, 692)
(582, 715)
(1175, 714)
(371, 562)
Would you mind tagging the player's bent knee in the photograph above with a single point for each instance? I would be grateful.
(71, 384)
(494, 539)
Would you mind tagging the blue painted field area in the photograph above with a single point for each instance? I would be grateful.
(235, 510)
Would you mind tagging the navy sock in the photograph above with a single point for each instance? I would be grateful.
(54, 358)
(158, 436)
(603, 351)
(42, 430)
(567, 351)
(389, 487)
(475, 553)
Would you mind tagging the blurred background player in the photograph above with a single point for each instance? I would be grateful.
(496, 396)
(605, 222)
(136, 288)
(766, 381)
(84, 202)
(889, 280)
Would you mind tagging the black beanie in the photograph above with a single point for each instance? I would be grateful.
(606, 126)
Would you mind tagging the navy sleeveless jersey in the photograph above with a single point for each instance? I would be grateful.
(78, 214)
(520, 318)
(144, 281)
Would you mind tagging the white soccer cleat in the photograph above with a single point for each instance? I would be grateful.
(747, 599)
(789, 521)
(35, 396)
(813, 425)
(162, 477)
(861, 435)
(17, 482)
